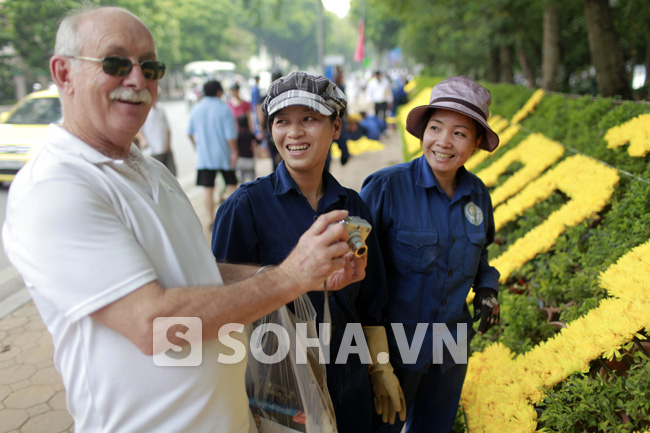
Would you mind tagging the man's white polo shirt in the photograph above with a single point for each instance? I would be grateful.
(85, 230)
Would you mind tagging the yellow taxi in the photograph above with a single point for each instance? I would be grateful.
(23, 127)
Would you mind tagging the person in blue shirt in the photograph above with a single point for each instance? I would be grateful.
(213, 132)
(373, 125)
(255, 104)
(262, 221)
(434, 220)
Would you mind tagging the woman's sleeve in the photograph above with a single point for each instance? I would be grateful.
(487, 276)
(234, 238)
(373, 193)
(373, 293)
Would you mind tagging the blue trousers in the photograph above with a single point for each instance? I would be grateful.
(431, 399)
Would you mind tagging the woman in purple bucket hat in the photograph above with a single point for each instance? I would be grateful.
(434, 221)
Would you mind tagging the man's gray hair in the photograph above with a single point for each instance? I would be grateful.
(68, 41)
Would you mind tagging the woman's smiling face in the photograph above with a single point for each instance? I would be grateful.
(303, 137)
(449, 139)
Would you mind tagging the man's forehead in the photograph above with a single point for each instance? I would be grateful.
(117, 32)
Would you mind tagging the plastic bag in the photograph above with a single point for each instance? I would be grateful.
(286, 395)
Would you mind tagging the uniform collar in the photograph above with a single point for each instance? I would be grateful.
(285, 183)
(426, 179)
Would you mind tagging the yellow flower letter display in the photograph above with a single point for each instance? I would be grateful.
(588, 183)
(500, 390)
(635, 131)
(534, 161)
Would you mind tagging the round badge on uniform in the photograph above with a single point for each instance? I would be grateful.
(473, 213)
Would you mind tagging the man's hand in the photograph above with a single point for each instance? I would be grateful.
(486, 308)
(321, 251)
(353, 271)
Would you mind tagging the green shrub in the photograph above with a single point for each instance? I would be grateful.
(595, 402)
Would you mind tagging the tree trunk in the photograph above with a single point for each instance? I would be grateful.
(551, 47)
(493, 71)
(524, 62)
(606, 54)
(506, 63)
(647, 62)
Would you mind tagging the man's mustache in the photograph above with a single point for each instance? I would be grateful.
(130, 95)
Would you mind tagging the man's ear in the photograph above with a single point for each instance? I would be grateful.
(61, 71)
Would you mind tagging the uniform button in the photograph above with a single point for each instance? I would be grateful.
(443, 302)
(450, 272)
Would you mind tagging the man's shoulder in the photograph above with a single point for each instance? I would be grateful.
(59, 157)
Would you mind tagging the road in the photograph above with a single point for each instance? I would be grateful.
(13, 293)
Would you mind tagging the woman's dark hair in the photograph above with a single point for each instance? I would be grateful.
(242, 121)
(478, 128)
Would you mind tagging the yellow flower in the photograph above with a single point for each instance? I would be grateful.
(528, 107)
(635, 131)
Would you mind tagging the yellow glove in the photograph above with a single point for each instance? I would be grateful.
(389, 398)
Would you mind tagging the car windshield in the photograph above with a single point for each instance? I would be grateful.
(37, 111)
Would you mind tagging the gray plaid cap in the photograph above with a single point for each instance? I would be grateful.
(300, 88)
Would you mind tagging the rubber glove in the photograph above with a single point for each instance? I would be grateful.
(389, 398)
(486, 308)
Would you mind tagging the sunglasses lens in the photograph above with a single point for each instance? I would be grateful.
(117, 66)
(153, 70)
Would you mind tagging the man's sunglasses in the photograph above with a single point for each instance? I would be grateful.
(121, 66)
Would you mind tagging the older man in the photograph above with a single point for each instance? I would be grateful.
(107, 242)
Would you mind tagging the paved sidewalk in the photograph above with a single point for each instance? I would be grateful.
(32, 397)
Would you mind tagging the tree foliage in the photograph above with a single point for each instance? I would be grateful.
(501, 39)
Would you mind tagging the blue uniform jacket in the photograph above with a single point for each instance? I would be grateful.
(261, 223)
(434, 248)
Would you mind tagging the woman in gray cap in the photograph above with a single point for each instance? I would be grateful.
(434, 221)
(263, 220)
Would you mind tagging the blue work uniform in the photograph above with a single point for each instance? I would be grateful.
(261, 223)
(435, 251)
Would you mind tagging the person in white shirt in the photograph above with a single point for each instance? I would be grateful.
(380, 94)
(109, 246)
(156, 137)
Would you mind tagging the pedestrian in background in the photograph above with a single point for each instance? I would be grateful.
(239, 106)
(434, 221)
(120, 247)
(380, 94)
(156, 137)
(247, 144)
(262, 221)
(267, 138)
(212, 130)
(255, 105)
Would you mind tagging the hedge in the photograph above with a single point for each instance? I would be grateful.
(570, 183)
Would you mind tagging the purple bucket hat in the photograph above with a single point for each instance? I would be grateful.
(300, 88)
(458, 94)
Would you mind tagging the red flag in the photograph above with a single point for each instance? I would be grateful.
(359, 54)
